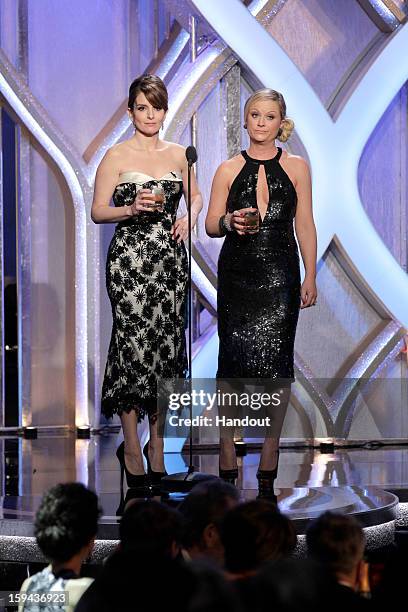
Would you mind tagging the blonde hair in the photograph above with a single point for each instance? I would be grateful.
(270, 94)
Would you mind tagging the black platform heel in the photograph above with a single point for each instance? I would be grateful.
(154, 477)
(266, 482)
(228, 475)
(134, 481)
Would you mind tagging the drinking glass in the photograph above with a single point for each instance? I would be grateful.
(159, 199)
(251, 218)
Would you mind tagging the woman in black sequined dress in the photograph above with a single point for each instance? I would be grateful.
(259, 289)
(146, 272)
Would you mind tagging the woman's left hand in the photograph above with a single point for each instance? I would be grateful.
(308, 293)
(179, 230)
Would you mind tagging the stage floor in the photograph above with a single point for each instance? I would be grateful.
(359, 481)
(32, 466)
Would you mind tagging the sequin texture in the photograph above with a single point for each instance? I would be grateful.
(259, 281)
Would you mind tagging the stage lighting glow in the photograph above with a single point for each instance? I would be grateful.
(81, 336)
(83, 432)
(30, 432)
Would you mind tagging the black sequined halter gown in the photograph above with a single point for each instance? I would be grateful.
(259, 281)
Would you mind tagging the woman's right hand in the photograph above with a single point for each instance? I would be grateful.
(237, 220)
(144, 198)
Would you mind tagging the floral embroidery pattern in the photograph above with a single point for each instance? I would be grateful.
(146, 279)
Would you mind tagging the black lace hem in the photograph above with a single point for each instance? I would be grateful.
(144, 406)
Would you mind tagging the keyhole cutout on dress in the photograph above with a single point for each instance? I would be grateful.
(262, 192)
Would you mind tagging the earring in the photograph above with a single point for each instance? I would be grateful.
(245, 126)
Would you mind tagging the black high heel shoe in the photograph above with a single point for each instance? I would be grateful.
(228, 475)
(266, 481)
(134, 481)
(154, 477)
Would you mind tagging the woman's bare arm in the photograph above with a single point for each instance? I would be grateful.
(106, 179)
(305, 229)
(196, 198)
(218, 201)
(180, 226)
(223, 178)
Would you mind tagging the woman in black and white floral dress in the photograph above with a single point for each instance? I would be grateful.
(146, 273)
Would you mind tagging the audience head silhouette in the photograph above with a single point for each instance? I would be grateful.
(203, 511)
(150, 527)
(337, 541)
(256, 532)
(66, 521)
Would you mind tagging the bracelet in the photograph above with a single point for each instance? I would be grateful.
(224, 224)
(227, 222)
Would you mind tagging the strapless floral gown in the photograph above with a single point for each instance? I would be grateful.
(146, 279)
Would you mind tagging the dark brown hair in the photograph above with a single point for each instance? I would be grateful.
(336, 540)
(256, 532)
(153, 88)
(207, 504)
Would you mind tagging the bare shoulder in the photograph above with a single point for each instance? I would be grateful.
(118, 149)
(176, 153)
(236, 161)
(227, 169)
(118, 153)
(113, 156)
(297, 165)
(175, 149)
(233, 165)
(296, 161)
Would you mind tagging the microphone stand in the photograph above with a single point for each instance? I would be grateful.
(184, 481)
(190, 314)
